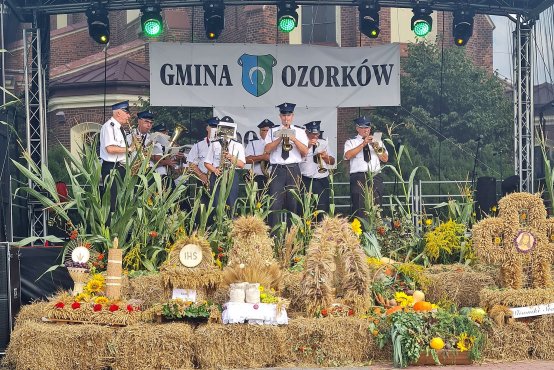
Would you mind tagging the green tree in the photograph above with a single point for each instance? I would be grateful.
(449, 117)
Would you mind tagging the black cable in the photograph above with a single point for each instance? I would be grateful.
(440, 98)
(105, 78)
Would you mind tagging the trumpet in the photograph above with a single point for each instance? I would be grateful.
(319, 160)
(286, 145)
(379, 149)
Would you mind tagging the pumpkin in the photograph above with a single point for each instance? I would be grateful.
(423, 306)
(418, 296)
(436, 343)
(393, 309)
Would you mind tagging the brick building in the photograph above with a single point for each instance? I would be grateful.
(78, 91)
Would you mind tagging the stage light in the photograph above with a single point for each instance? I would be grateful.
(214, 18)
(287, 17)
(422, 23)
(369, 19)
(98, 23)
(462, 26)
(151, 20)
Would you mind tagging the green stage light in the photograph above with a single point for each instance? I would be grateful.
(287, 17)
(422, 23)
(151, 20)
(98, 23)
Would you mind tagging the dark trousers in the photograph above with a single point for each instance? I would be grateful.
(284, 178)
(233, 194)
(261, 181)
(106, 169)
(357, 184)
(321, 188)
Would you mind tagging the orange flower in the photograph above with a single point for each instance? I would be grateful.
(324, 312)
(153, 234)
(393, 309)
(73, 234)
(88, 245)
(396, 224)
(220, 255)
(381, 230)
(101, 256)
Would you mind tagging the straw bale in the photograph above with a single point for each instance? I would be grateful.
(543, 337)
(148, 346)
(457, 283)
(32, 312)
(54, 347)
(148, 289)
(512, 342)
(332, 341)
(515, 297)
(238, 346)
(291, 290)
(250, 236)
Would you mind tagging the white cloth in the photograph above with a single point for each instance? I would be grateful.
(110, 134)
(214, 152)
(309, 168)
(198, 154)
(294, 155)
(357, 163)
(264, 314)
(256, 147)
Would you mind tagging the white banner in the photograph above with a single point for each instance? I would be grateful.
(541, 309)
(247, 119)
(255, 75)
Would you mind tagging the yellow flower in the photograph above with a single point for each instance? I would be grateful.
(465, 342)
(493, 208)
(219, 263)
(150, 202)
(403, 299)
(94, 286)
(497, 240)
(374, 262)
(308, 223)
(82, 297)
(428, 222)
(258, 205)
(357, 227)
(98, 277)
(261, 288)
(263, 296)
(101, 300)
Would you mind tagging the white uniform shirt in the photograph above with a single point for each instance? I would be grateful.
(110, 134)
(357, 163)
(214, 156)
(156, 148)
(256, 147)
(309, 168)
(198, 154)
(294, 155)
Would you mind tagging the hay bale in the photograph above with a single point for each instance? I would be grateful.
(508, 343)
(147, 346)
(33, 312)
(457, 283)
(291, 290)
(147, 288)
(53, 347)
(238, 346)
(515, 297)
(543, 337)
(336, 341)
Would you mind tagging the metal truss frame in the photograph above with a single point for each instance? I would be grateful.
(35, 112)
(524, 131)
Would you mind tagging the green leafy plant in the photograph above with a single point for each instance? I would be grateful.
(179, 309)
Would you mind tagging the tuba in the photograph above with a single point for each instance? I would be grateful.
(141, 149)
(224, 134)
(177, 170)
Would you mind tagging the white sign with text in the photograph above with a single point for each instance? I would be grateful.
(541, 309)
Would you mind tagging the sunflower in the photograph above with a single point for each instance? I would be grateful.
(465, 342)
(101, 300)
(94, 286)
(82, 297)
(356, 227)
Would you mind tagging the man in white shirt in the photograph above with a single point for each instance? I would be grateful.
(199, 150)
(113, 146)
(217, 161)
(316, 165)
(257, 157)
(285, 153)
(365, 166)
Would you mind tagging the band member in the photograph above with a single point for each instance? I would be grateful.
(225, 153)
(316, 165)
(285, 153)
(113, 147)
(365, 165)
(142, 134)
(257, 157)
(199, 151)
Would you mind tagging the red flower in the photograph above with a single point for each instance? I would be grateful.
(101, 256)
(219, 249)
(153, 234)
(324, 312)
(88, 245)
(97, 307)
(129, 308)
(75, 305)
(60, 305)
(113, 307)
(350, 312)
(381, 230)
(221, 255)
(73, 234)
(396, 224)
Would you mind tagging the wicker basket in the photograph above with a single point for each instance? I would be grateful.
(80, 277)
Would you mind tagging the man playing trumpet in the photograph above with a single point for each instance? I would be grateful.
(316, 165)
(224, 154)
(257, 157)
(285, 153)
(365, 158)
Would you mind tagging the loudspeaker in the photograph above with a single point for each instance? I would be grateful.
(486, 195)
(10, 292)
(510, 185)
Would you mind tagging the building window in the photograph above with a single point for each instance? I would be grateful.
(83, 134)
(319, 24)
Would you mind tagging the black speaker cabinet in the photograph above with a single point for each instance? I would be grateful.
(510, 185)
(10, 292)
(486, 195)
